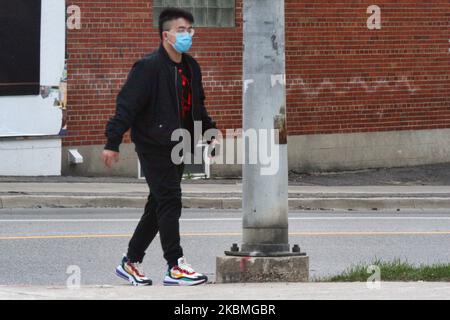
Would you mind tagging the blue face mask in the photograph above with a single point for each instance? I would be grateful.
(183, 42)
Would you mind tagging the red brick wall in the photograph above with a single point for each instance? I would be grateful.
(341, 77)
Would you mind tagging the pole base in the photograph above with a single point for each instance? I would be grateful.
(265, 250)
(264, 254)
(234, 269)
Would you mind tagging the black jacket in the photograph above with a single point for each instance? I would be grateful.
(148, 103)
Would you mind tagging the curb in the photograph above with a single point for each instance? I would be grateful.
(232, 292)
(309, 203)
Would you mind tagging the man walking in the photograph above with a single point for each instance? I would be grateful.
(163, 93)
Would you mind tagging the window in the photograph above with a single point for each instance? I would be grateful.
(20, 35)
(207, 13)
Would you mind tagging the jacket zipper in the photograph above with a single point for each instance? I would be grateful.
(192, 91)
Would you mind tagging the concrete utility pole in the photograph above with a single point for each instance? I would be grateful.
(265, 252)
(265, 197)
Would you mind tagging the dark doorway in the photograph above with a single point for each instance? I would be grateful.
(20, 37)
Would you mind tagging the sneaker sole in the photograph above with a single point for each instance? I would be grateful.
(169, 282)
(125, 276)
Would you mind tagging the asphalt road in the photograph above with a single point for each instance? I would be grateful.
(41, 246)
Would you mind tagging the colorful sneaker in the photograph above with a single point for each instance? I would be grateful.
(183, 275)
(132, 272)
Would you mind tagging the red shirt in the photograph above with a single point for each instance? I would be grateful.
(186, 92)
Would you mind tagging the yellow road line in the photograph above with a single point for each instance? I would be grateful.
(236, 234)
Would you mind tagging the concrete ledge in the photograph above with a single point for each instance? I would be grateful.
(214, 203)
(373, 203)
(344, 203)
(262, 269)
(7, 202)
(59, 201)
(30, 157)
(362, 150)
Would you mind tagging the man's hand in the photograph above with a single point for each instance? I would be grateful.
(109, 157)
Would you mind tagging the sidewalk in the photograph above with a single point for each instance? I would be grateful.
(420, 187)
(255, 291)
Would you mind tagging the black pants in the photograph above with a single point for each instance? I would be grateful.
(163, 208)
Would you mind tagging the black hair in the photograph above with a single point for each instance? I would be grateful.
(169, 14)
